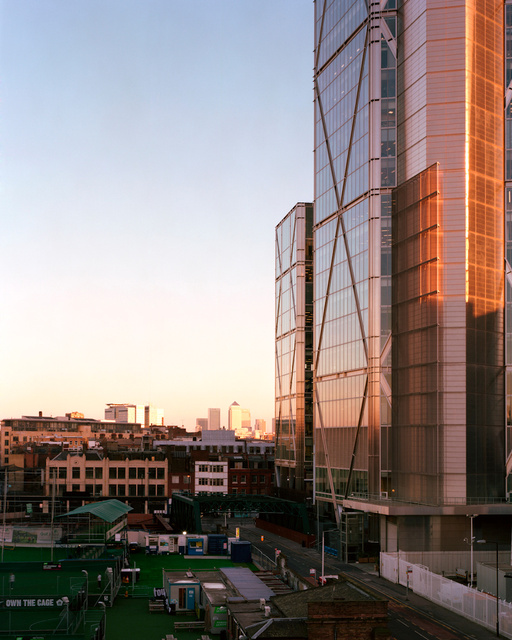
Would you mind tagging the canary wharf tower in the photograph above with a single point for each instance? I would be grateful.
(411, 284)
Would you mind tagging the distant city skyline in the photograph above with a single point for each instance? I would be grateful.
(148, 151)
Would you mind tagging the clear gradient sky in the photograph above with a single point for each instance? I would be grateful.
(148, 148)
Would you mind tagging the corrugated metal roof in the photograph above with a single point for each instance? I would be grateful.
(108, 510)
(246, 583)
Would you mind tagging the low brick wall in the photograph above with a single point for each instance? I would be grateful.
(348, 620)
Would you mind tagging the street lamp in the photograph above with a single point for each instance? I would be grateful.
(323, 552)
(472, 542)
(497, 584)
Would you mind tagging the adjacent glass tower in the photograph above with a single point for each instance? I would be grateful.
(294, 353)
(409, 263)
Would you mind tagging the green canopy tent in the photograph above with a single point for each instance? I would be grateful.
(96, 522)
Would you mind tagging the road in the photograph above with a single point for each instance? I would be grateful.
(411, 617)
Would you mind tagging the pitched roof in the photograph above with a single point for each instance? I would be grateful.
(108, 510)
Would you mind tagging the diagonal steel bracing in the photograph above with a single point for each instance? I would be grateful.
(340, 227)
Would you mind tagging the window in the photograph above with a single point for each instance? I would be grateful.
(254, 479)
(75, 473)
(112, 473)
(160, 490)
(89, 473)
(152, 473)
(132, 473)
(175, 479)
(141, 473)
(112, 490)
(203, 468)
(140, 490)
(243, 479)
(235, 479)
(63, 473)
(97, 490)
(217, 482)
(234, 491)
(98, 473)
(89, 488)
(121, 473)
(121, 490)
(132, 490)
(160, 473)
(186, 479)
(262, 479)
(75, 487)
(203, 481)
(152, 490)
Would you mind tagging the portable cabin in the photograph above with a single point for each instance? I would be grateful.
(183, 588)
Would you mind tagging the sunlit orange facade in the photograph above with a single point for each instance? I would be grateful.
(410, 264)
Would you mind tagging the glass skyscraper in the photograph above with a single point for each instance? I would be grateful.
(410, 269)
(294, 353)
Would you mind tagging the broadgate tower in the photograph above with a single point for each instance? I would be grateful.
(412, 276)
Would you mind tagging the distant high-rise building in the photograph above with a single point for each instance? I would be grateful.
(145, 415)
(201, 424)
(413, 292)
(213, 419)
(294, 350)
(246, 419)
(125, 413)
(260, 425)
(153, 416)
(235, 417)
(239, 420)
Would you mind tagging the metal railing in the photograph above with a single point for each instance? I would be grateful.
(480, 607)
(262, 561)
(380, 498)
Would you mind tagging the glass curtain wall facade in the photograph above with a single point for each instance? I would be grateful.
(409, 246)
(355, 165)
(294, 352)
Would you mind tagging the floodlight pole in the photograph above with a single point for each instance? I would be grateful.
(54, 469)
(105, 625)
(5, 511)
(86, 589)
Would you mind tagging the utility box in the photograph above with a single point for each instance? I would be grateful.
(241, 551)
(217, 544)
